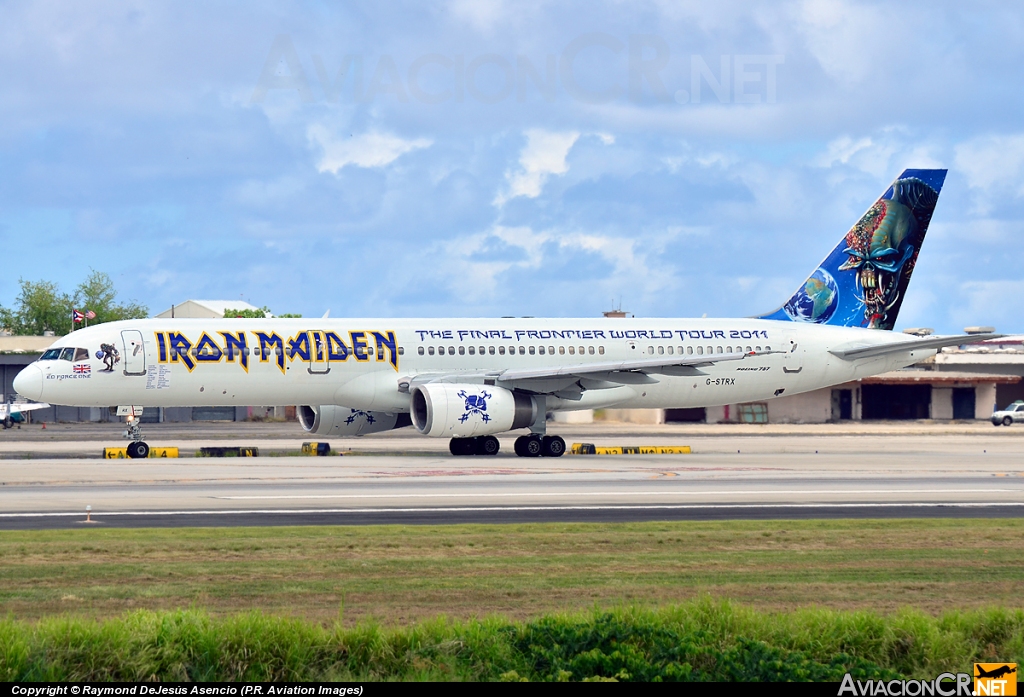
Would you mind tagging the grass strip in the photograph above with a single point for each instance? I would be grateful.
(405, 574)
(699, 640)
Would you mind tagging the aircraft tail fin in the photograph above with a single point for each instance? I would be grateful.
(863, 281)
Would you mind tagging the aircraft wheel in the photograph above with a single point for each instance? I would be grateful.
(137, 450)
(487, 445)
(529, 446)
(1007, 420)
(8, 422)
(462, 446)
(553, 446)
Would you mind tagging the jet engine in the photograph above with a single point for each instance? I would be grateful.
(331, 420)
(444, 410)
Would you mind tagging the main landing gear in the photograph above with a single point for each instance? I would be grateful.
(533, 445)
(137, 449)
(536, 445)
(481, 445)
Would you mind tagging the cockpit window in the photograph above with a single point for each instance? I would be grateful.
(67, 354)
(81, 354)
(50, 354)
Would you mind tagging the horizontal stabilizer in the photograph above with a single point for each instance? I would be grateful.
(851, 352)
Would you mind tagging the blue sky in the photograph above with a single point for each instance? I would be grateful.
(488, 158)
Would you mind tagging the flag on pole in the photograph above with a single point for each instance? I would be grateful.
(77, 316)
(89, 314)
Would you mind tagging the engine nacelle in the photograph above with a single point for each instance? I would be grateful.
(444, 410)
(331, 420)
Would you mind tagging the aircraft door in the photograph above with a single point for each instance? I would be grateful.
(793, 361)
(319, 356)
(134, 352)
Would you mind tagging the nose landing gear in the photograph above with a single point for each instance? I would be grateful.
(137, 449)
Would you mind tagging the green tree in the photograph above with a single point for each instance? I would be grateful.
(97, 293)
(42, 306)
(232, 313)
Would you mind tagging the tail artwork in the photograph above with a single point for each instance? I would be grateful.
(863, 281)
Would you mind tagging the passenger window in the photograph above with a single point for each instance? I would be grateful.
(451, 350)
(522, 351)
(421, 352)
(671, 350)
(700, 350)
(401, 350)
(490, 350)
(767, 348)
(600, 349)
(719, 349)
(462, 350)
(533, 350)
(582, 350)
(689, 350)
(757, 348)
(561, 350)
(431, 350)
(748, 349)
(661, 350)
(551, 350)
(472, 350)
(501, 351)
(591, 351)
(50, 355)
(481, 349)
(572, 350)
(650, 350)
(541, 350)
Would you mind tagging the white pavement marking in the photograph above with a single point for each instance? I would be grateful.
(496, 509)
(703, 492)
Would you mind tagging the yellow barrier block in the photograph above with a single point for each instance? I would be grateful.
(591, 449)
(122, 453)
(314, 448)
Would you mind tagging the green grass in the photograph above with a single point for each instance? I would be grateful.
(700, 640)
(404, 574)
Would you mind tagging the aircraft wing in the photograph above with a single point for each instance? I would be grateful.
(17, 408)
(631, 372)
(851, 352)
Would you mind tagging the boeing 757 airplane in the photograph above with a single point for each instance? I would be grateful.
(469, 379)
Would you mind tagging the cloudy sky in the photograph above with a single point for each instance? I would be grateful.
(488, 158)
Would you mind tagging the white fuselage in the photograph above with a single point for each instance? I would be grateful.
(368, 363)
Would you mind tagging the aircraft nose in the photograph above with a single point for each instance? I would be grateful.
(29, 382)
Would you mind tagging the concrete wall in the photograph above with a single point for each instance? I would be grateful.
(984, 400)
(636, 416)
(584, 416)
(806, 408)
(942, 403)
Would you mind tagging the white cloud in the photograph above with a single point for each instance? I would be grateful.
(371, 149)
(482, 14)
(994, 166)
(883, 154)
(982, 302)
(544, 155)
(847, 39)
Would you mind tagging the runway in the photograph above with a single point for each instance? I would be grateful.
(780, 476)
